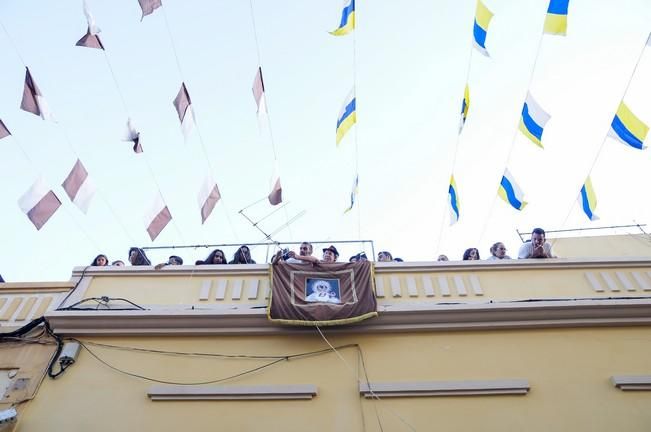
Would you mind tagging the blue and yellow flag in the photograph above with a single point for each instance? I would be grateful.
(353, 194)
(483, 18)
(588, 200)
(347, 116)
(627, 128)
(510, 192)
(556, 20)
(453, 199)
(465, 106)
(347, 23)
(533, 120)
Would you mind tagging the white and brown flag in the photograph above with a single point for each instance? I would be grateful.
(79, 187)
(149, 6)
(4, 132)
(276, 194)
(258, 92)
(157, 218)
(39, 203)
(208, 197)
(183, 107)
(91, 38)
(33, 100)
(134, 136)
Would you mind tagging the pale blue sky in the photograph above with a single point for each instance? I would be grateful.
(411, 64)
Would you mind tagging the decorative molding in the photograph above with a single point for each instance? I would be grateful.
(445, 388)
(202, 393)
(230, 270)
(632, 382)
(251, 319)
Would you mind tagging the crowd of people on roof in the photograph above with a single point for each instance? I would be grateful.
(536, 247)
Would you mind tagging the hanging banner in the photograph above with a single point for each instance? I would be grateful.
(322, 294)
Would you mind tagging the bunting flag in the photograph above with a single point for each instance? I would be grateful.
(208, 197)
(556, 20)
(347, 23)
(91, 38)
(483, 17)
(134, 136)
(33, 100)
(588, 200)
(157, 218)
(39, 203)
(258, 92)
(276, 194)
(533, 120)
(627, 128)
(347, 116)
(453, 199)
(510, 192)
(148, 7)
(465, 106)
(4, 132)
(183, 107)
(320, 295)
(79, 187)
(353, 194)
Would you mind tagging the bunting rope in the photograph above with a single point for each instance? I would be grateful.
(513, 139)
(603, 142)
(196, 123)
(71, 147)
(454, 159)
(359, 208)
(268, 114)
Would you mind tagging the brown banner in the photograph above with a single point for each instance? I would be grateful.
(322, 294)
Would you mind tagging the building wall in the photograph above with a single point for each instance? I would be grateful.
(568, 370)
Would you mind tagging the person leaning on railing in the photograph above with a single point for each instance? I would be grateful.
(537, 247)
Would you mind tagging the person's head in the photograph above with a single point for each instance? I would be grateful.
(305, 249)
(242, 255)
(471, 254)
(537, 237)
(384, 256)
(330, 254)
(498, 250)
(353, 258)
(118, 263)
(442, 257)
(216, 257)
(100, 261)
(175, 260)
(322, 287)
(396, 259)
(137, 257)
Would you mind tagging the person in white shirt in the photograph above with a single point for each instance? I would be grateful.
(537, 247)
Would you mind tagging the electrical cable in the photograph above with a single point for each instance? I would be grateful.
(368, 384)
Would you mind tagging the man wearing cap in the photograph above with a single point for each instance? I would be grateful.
(330, 254)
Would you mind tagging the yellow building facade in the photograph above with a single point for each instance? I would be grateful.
(536, 345)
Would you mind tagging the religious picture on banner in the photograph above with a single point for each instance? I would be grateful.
(322, 290)
(322, 294)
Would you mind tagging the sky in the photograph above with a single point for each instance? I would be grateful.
(409, 63)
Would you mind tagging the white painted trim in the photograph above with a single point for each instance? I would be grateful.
(632, 382)
(445, 388)
(202, 393)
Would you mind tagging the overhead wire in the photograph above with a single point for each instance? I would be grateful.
(603, 142)
(24, 152)
(267, 113)
(455, 154)
(375, 397)
(513, 138)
